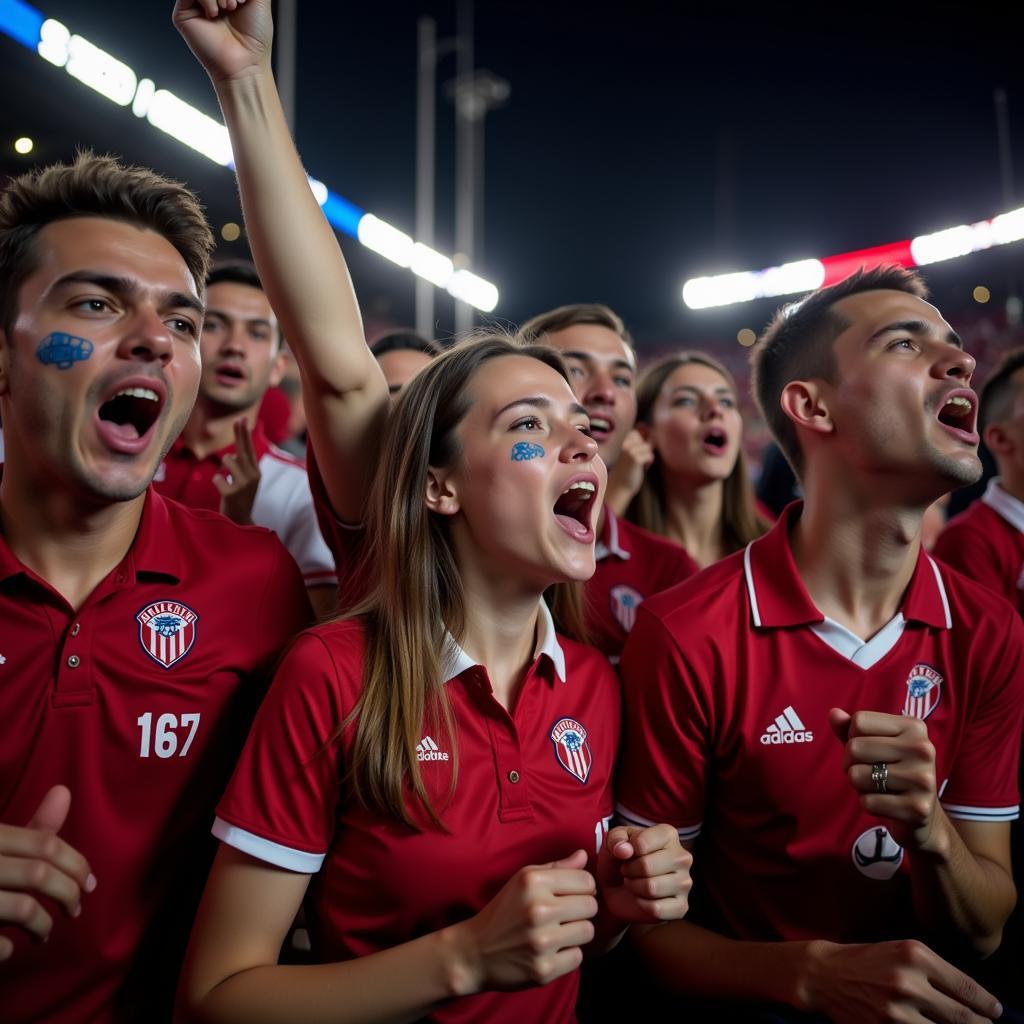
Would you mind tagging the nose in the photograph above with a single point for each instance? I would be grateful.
(600, 388)
(147, 338)
(954, 363)
(233, 340)
(578, 447)
(712, 407)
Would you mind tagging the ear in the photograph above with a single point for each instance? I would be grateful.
(277, 368)
(441, 496)
(997, 440)
(805, 403)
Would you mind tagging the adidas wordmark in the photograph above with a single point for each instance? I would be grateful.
(787, 728)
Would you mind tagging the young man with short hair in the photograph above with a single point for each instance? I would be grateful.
(223, 460)
(834, 714)
(401, 355)
(986, 541)
(135, 634)
(632, 563)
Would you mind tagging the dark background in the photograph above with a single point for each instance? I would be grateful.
(641, 145)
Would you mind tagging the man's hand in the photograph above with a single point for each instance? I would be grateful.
(230, 38)
(892, 981)
(643, 874)
(627, 475)
(238, 485)
(34, 860)
(910, 800)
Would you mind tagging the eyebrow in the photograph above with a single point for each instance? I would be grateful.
(915, 327)
(575, 409)
(125, 286)
(722, 389)
(586, 357)
(262, 321)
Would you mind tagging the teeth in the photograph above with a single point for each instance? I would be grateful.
(596, 421)
(581, 485)
(961, 406)
(138, 393)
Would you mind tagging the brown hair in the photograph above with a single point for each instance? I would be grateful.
(797, 345)
(559, 319)
(95, 186)
(741, 522)
(997, 394)
(417, 592)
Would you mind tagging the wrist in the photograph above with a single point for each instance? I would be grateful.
(809, 979)
(461, 963)
(935, 842)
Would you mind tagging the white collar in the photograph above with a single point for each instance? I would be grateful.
(455, 661)
(600, 551)
(1006, 505)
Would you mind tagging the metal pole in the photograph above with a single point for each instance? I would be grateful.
(425, 118)
(1013, 302)
(286, 48)
(465, 163)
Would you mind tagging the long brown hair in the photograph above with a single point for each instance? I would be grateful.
(741, 522)
(416, 590)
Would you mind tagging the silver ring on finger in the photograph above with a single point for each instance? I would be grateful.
(879, 776)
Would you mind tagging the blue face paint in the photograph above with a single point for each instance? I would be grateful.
(522, 451)
(63, 350)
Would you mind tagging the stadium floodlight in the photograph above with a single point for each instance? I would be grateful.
(806, 275)
(101, 71)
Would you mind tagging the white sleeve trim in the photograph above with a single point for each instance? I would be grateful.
(267, 850)
(628, 817)
(965, 813)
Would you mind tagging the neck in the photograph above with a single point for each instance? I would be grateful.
(501, 629)
(212, 428)
(71, 547)
(693, 518)
(856, 553)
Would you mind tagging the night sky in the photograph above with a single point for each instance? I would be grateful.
(639, 147)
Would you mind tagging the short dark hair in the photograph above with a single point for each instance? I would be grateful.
(797, 345)
(998, 392)
(559, 319)
(95, 186)
(404, 341)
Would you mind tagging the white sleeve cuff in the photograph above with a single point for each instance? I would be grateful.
(628, 817)
(965, 813)
(267, 850)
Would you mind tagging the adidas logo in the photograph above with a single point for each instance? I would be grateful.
(428, 750)
(787, 728)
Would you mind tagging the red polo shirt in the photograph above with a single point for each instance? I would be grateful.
(139, 703)
(534, 784)
(632, 565)
(283, 502)
(986, 542)
(729, 679)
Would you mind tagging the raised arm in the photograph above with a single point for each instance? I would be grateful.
(296, 252)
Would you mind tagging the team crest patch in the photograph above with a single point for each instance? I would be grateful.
(571, 747)
(876, 854)
(624, 603)
(924, 690)
(167, 631)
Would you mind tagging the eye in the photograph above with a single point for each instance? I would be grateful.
(93, 305)
(902, 344)
(623, 382)
(528, 423)
(584, 428)
(180, 325)
(576, 371)
(727, 402)
(684, 402)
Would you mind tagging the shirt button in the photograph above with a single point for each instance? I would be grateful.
(75, 628)
(74, 661)
(122, 577)
(513, 776)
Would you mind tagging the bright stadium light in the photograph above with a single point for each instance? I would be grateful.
(806, 275)
(101, 71)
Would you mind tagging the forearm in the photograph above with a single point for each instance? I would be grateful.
(698, 963)
(958, 891)
(399, 984)
(304, 273)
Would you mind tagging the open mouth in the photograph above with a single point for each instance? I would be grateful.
(601, 428)
(715, 441)
(959, 415)
(229, 373)
(128, 416)
(574, 508)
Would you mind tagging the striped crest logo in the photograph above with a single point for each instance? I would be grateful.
(924, 691)
(571, 747)
(167, 631)
(624, 602)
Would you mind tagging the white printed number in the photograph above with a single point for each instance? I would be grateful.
(165, 737)
(601, 829)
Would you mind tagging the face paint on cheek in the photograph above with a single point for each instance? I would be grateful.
(63, 350)
(523, 451)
